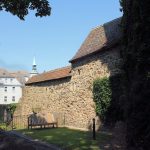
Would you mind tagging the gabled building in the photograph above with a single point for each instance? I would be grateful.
(68, 91)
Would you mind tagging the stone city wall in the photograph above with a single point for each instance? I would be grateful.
(72, 96)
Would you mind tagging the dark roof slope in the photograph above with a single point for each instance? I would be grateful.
(100, 37)
(50, 75)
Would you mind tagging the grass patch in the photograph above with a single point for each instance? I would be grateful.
(70, 139)
(3, 126)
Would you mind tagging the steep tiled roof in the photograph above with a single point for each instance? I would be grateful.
(50, 75)
(100, 37)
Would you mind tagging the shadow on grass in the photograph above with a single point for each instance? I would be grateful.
(11, 142)
(69, 139)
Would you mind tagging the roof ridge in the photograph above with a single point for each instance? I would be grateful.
(57, 69)
(105, 24)
(98, 37)
(97, 27)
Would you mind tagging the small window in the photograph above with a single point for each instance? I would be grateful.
(5, 98)
(11, 80)
(13, 98)
(5, 89)
(5, 79)
(13, 88)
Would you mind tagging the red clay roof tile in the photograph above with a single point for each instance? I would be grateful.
(50, 75)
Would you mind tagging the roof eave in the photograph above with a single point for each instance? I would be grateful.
(47, 80)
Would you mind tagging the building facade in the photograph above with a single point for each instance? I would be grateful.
(10, 89)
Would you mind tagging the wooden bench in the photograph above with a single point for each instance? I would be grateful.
(42, 120)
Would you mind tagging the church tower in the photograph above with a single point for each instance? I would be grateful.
(34, 69)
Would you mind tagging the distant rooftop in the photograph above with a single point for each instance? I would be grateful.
(100, 37)
(19, 75)
(5, 74)
(50, 75)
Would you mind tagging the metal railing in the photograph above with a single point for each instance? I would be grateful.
(19, 122)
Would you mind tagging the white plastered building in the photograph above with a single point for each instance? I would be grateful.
(10, 89)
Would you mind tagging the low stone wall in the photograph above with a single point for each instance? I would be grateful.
(72, 96)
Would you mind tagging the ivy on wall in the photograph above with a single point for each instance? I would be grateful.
(109, 98)
(102, 96)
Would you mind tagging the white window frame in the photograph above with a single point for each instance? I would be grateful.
(5, 88)
(13, 88)
(5, 98)
(13, 98)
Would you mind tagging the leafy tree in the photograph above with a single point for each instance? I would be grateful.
(21, 8)
(135, 53)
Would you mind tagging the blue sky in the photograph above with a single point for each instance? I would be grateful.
(52, 40)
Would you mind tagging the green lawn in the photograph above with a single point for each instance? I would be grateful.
(3, 126)
(71, 139)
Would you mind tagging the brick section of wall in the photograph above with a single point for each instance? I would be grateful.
(72, 97)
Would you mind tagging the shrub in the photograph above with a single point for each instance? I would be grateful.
(2, 126)
(11, 108)
(102, 96)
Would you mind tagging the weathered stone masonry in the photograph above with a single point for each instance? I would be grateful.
(72, 96)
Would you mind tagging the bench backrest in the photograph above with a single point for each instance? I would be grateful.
(41, 118)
